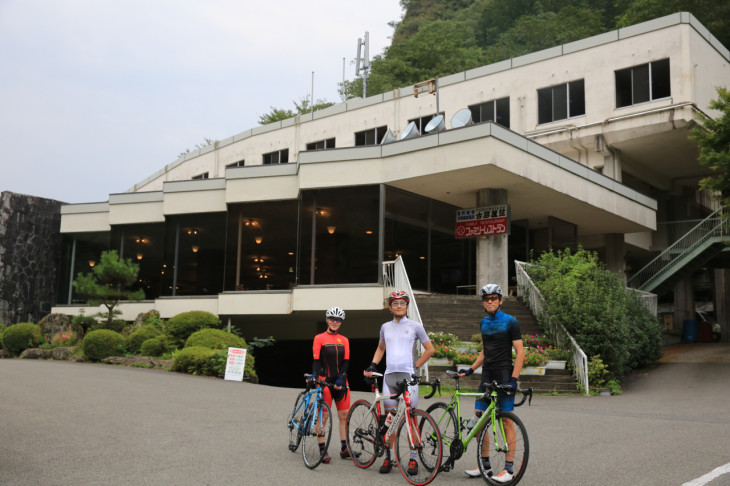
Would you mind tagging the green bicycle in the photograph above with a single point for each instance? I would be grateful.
(503, 431)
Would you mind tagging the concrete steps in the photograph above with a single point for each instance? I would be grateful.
(560, 381)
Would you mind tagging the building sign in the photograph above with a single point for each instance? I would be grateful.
(234, 365)
(492, 220)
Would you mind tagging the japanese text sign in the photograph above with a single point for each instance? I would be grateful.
(492, 220)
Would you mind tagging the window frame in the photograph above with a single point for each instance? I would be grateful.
(661, 68)
(564, 91)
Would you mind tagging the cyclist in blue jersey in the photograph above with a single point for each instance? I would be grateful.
(399, 336)
(500, 333)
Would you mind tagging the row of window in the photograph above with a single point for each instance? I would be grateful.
(634, 85)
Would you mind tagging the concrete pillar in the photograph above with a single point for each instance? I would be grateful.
(615, 262)
(492, 260)
(722, 302)
(684, 303)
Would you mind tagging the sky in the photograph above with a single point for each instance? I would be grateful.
(96, 95)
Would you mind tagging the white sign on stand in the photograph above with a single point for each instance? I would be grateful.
(235, 364)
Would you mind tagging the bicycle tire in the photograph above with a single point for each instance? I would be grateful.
(362, 434)
(448, 426)
(312, 454)
(497, 457)
(428, 448)
(295, 423)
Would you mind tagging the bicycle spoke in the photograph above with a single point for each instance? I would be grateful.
(418, 448)
(508, 441)
(362, 434)
(318, 431)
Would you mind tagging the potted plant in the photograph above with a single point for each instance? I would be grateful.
(462, 360)
(444, 345)
(557, 358)
(535, 361)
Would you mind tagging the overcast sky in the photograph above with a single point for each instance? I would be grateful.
(96, 95)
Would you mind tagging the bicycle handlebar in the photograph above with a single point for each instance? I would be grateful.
(436, 384)
(311, 383)
(526, 394)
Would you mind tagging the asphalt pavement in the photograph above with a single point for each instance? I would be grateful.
(67, 423)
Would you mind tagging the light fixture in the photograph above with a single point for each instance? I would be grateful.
(331, 229)
(139, 256)
(291, 253)
(196, 248)
(368, 232)
(259, 240)
(291, 269)
(92, 263)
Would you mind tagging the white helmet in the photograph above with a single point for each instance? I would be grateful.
(335, 312)
(490, 289)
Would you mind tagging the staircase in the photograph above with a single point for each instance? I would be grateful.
(461, 315)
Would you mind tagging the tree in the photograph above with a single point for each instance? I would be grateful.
(713, 139)
(278, 114)
(109, 282)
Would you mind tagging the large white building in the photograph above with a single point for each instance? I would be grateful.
(586, 144)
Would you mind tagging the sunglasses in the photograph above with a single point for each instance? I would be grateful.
(334, 319)
(398, 303)
(491, 298)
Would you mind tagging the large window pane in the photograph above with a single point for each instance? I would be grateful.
(144, 245)
(560, 102)
(577, 98)
(80, 253)
(640, 83)
(660, 79)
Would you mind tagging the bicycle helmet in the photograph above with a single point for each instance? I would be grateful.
(490, 289)
(397, 295)
(335, 312)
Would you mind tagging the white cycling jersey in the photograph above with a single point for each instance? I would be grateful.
(400, 344)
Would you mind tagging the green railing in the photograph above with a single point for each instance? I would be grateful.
(681, 252)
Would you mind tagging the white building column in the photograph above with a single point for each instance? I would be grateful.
(492, 261)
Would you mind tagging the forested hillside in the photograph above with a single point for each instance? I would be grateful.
(442, 37)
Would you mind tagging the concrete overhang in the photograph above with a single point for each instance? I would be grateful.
(452, 166)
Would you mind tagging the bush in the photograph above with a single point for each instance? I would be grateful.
(599, 312)
(19, 337)
(82, 323)
(156, 346)
(199, 360)
(65, 338)
(139, 336)
(215, 339)
(102, 343)
(181, 326)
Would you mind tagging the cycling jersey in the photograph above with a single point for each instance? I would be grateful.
(332, 351)
(400, 344)
(498, 332)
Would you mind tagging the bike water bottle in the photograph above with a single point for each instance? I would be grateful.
(389, 419)
(473, 421)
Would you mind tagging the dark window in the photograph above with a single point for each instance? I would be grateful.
(204, 175)
(370, 137)
(322, 144)
(495, 111)
(561, 101)
(643, 83)
(278, 157)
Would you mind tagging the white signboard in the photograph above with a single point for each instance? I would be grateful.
(234, 365)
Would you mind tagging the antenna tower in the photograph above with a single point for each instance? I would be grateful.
(362, 64)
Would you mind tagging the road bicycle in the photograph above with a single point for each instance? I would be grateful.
(493, 426)
(310, 423)
(417, 435)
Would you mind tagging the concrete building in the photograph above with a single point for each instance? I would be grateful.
(581, 144)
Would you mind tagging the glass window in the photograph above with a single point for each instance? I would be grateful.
(80, 253)
(370, 137)
(322, 144)
(561, 101)
(639, 84)
(143, 244)
(494, 111)
(277, 157)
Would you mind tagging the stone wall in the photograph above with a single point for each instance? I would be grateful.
(30, 245)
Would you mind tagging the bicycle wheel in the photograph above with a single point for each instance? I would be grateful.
(296, 423)
(362, 434)
(500, 448)
(448, 426)
(318, 430)
(418, 459)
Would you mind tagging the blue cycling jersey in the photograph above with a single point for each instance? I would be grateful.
(498, 332)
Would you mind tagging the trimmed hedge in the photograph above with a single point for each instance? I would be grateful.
(199, 360)
(156, 346)
(19, 337)
(102, 343)
(181, 326)
(139, 336)
(215, 339)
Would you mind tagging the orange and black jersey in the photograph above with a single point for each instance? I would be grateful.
(331, 355)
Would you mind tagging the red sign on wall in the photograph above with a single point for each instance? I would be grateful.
(492, 220)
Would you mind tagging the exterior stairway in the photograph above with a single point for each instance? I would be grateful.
(461, 315)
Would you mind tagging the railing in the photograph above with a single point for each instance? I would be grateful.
(395, 277)
(657, 270)
(648, 299)
(529, 291)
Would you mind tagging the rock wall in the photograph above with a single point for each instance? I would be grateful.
(30, 245)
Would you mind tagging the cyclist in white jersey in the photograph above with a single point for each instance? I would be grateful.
(399, 336)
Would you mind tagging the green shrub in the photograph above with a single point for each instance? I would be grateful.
(116, 325)
(215, 339)
(181, 326)
(139, 336)
(599, 312)
(199, 360)
(156, 346)
(19, 337)
(82, 323)
(102, 343)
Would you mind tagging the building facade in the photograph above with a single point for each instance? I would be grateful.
(585, 144)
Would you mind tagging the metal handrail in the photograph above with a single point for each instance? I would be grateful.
(657, 269)
(526, 288)
(395, 277)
